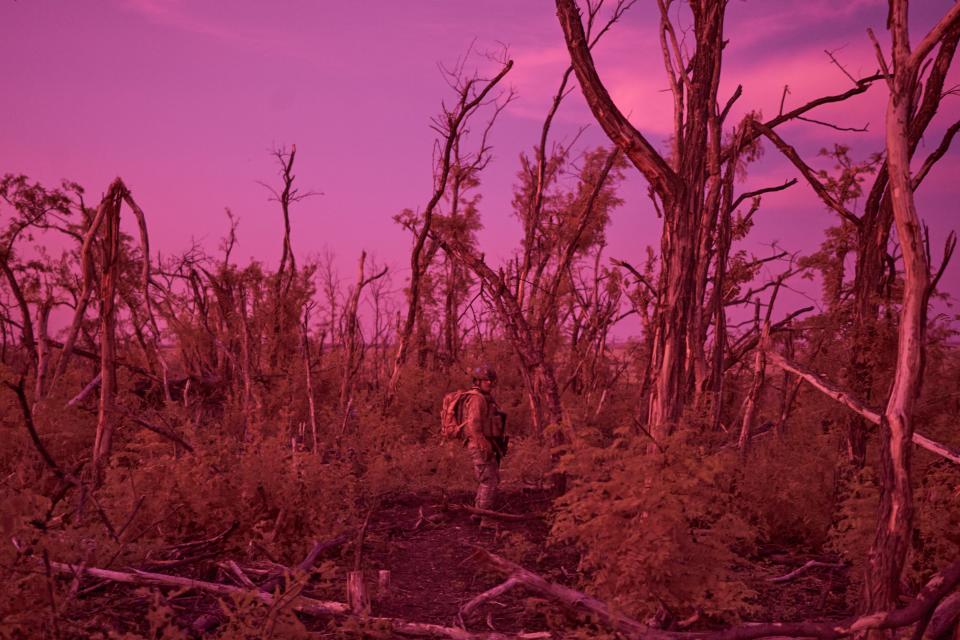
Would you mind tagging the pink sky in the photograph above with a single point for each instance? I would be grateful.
(184, 100)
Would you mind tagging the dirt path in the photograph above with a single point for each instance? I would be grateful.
(432, 572)
(428, 550)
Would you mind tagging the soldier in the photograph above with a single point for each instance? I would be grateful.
(485, 431)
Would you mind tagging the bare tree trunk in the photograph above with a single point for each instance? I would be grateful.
(311, 402)
(246, 362)
(895, 519)
(753, 396)
(43, 348)
(352, 357)
(87, 269)
(110, 266)
(680, 185)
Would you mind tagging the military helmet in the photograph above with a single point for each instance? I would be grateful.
(484, 372)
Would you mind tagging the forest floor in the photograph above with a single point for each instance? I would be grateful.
(431, 553)
(433, 566)
(430, 547)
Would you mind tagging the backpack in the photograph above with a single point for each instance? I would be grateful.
(451, 413)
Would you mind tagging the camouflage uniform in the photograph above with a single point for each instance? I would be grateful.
(482, 425)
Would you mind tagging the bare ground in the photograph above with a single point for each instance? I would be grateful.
(429, 548)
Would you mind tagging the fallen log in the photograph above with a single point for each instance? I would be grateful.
(499, 515)
(301, 604)
(810, 564)
(307, 563)
(942, 584)
(946, 615)
(573, 599)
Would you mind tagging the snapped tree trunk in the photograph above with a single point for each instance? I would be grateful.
(110, 272)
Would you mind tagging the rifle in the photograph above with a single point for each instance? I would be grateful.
(501, 442)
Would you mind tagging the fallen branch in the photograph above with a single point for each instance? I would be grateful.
(424, 518)
(307, 563)
(148, 578)
(277, 575)
(173, 563)
(301, 604)
(938, 448)
(937, 588)
(810, 564)
(576, 600)
(945, 616)
(166, 433)
(234, 569)
(86, 391)
(217, 539)
(489, 594)
(499, 515)
(846, 398)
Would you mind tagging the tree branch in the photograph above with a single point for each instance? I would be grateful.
(753, 194)
(846, 398)
(807, 173)
(661, 177)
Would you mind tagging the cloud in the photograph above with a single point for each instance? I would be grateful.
(176, 14)
(638, 89)
(754, 27)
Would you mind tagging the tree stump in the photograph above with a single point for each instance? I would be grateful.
(357, 597)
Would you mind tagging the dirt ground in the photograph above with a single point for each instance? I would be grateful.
(433, 568)
(430, 550)
(430, 546)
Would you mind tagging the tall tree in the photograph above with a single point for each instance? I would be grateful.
(681, 182)
(688, 189)
(895, 519)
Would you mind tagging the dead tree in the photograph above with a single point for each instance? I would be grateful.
(471, 95)
(286, 196)
(872, 274)
(87, 267)
(36, 209)
(895, 519)
(109, 274)
(308, 369)
(528, 331)
(352, 338)
(463, 220)
(680, 183)
(545, 167)
(687, 188)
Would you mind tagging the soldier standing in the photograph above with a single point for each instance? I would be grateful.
(485, 432)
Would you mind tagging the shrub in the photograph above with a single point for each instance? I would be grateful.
(788, 487)
(656, 527)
